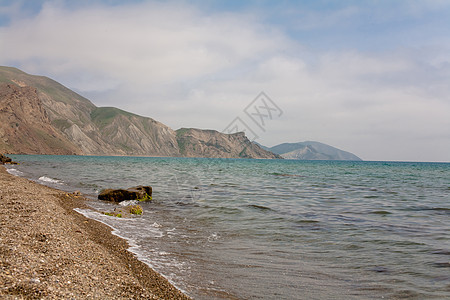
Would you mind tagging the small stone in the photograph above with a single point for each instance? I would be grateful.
(76, 193)
(35, 280)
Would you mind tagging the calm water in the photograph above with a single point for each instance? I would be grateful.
(276, 229)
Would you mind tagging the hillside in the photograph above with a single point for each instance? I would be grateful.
(25, 126)
(40, 116)
(134, 135)
(311, 151)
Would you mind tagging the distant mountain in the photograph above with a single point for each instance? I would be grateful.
(40, 116)
(311, 151)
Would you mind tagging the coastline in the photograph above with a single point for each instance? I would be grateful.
(49, 250)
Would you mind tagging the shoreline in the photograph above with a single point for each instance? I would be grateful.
(47, 249)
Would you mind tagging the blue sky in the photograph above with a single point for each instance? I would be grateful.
(370, 77)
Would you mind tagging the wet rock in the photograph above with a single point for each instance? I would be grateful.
(128, 211)
(141, 193)
(76, 193)
(6, 160)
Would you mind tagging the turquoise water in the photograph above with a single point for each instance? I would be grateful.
(276, 229)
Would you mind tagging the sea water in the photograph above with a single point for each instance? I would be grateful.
(275, 229)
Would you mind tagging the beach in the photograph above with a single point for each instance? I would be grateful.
(48, 250)
(225, 229)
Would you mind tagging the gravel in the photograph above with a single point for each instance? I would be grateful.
(47, 250)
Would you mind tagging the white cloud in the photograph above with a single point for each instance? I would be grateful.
(186, 68)
(161, 43)
(310, 19)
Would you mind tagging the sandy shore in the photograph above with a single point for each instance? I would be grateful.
(47, 250)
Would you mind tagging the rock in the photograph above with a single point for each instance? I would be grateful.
(135, 210)
(141, 193)
(128, 211)
(6, 160)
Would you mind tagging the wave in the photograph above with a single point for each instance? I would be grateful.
(285, 174)
(381, 212)
(128, 202)
(14, 172)
(259, 207)
(134, 246)
(50, 180)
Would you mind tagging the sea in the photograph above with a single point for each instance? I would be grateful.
(274, 229)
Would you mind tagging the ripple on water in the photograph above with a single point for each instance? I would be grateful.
(259, 207)
(441, 252)
(380, 212)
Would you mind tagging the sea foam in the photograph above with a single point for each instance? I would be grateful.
(50, 180)
(14, 172)
(134, 247)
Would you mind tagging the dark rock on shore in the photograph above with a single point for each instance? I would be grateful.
(141, 193)
(6, 160)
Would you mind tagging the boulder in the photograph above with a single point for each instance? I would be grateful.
(6, 160)
(141, 193)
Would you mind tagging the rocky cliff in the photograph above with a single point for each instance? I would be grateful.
(40, 116)
(210, 143)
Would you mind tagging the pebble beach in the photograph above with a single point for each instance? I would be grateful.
(48, 250)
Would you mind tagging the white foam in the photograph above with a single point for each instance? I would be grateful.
(50, 180)
(156, 225)
(213, 237)
(14, 172)
(134, 247)
(129, 202)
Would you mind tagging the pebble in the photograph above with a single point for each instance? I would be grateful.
(35, 280)
(44, 242)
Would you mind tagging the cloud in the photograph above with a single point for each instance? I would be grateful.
(188, 67)
(364, 103)
(161, 42)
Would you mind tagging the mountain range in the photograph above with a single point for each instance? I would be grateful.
(40, 116)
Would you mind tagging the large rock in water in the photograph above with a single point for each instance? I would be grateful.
(141, 193)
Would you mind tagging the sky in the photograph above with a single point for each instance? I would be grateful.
(369, 77)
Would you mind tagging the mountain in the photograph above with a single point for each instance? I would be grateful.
(210, 143)
(311, 151)
(25, 126)
(40, 116)
(125, 133)
(93, 130)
